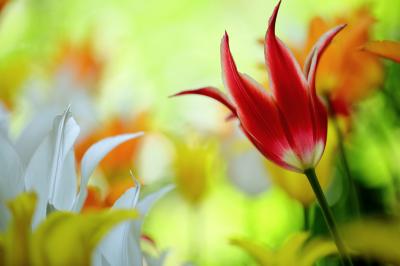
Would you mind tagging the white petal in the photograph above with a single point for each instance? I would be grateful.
(37, 176)
(146, 203)
(4, 120)
(33, 134)
(11, 171)
(45, 172)
(65, 189)
(98, 259)
(92, 158)
(63, 181)
(121, 245)
(129, 199)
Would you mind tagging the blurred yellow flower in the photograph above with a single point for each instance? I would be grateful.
(299, 249)
(386, 49)
(377, 239)
(193, 166)
(13, 71)
(295, 184)
(64, 238)
(345, 72)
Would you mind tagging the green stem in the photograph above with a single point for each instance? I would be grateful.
(330, 222)
(306, 214)
(345, 162)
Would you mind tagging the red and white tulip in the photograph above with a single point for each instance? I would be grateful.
(288, 125)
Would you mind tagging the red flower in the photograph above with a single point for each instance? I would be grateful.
(289, 125)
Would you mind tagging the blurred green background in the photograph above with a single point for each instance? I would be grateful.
(151, 49)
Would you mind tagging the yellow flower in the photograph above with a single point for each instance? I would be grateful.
(64, 238)
(377, 239)
(13, 71)
(193, 165)
(298, 250)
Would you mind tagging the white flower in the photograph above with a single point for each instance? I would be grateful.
(121, 247)
(43, 160)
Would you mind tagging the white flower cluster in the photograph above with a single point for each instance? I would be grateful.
(42, 160)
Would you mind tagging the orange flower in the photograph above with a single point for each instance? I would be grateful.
(94, 200)
(81, 58)
(3, 4)
(345, 72)
(385, 49)
(118, 161)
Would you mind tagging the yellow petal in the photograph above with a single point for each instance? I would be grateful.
(15, 242)
(299, 250)
(386, 49)
(69, 239)
(375, 239)
(261, 254)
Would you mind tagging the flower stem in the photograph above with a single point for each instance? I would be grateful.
(330, 222)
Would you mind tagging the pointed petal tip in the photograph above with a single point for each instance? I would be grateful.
(340, 27)
(177, 94)
(274, 15)
(137, 134)
(211, 92)
(225, 40)
(188, 92)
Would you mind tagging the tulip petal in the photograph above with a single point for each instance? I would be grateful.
(319, 115)
(63, 180)
(32, 135)
(386, 49)
(92, 158)
(212, 93)
(147, 202)
(256, 110)
(311, 64)
(45, 172)
(290, 90)
(11, 179)
(4, 120)
(120, 246)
